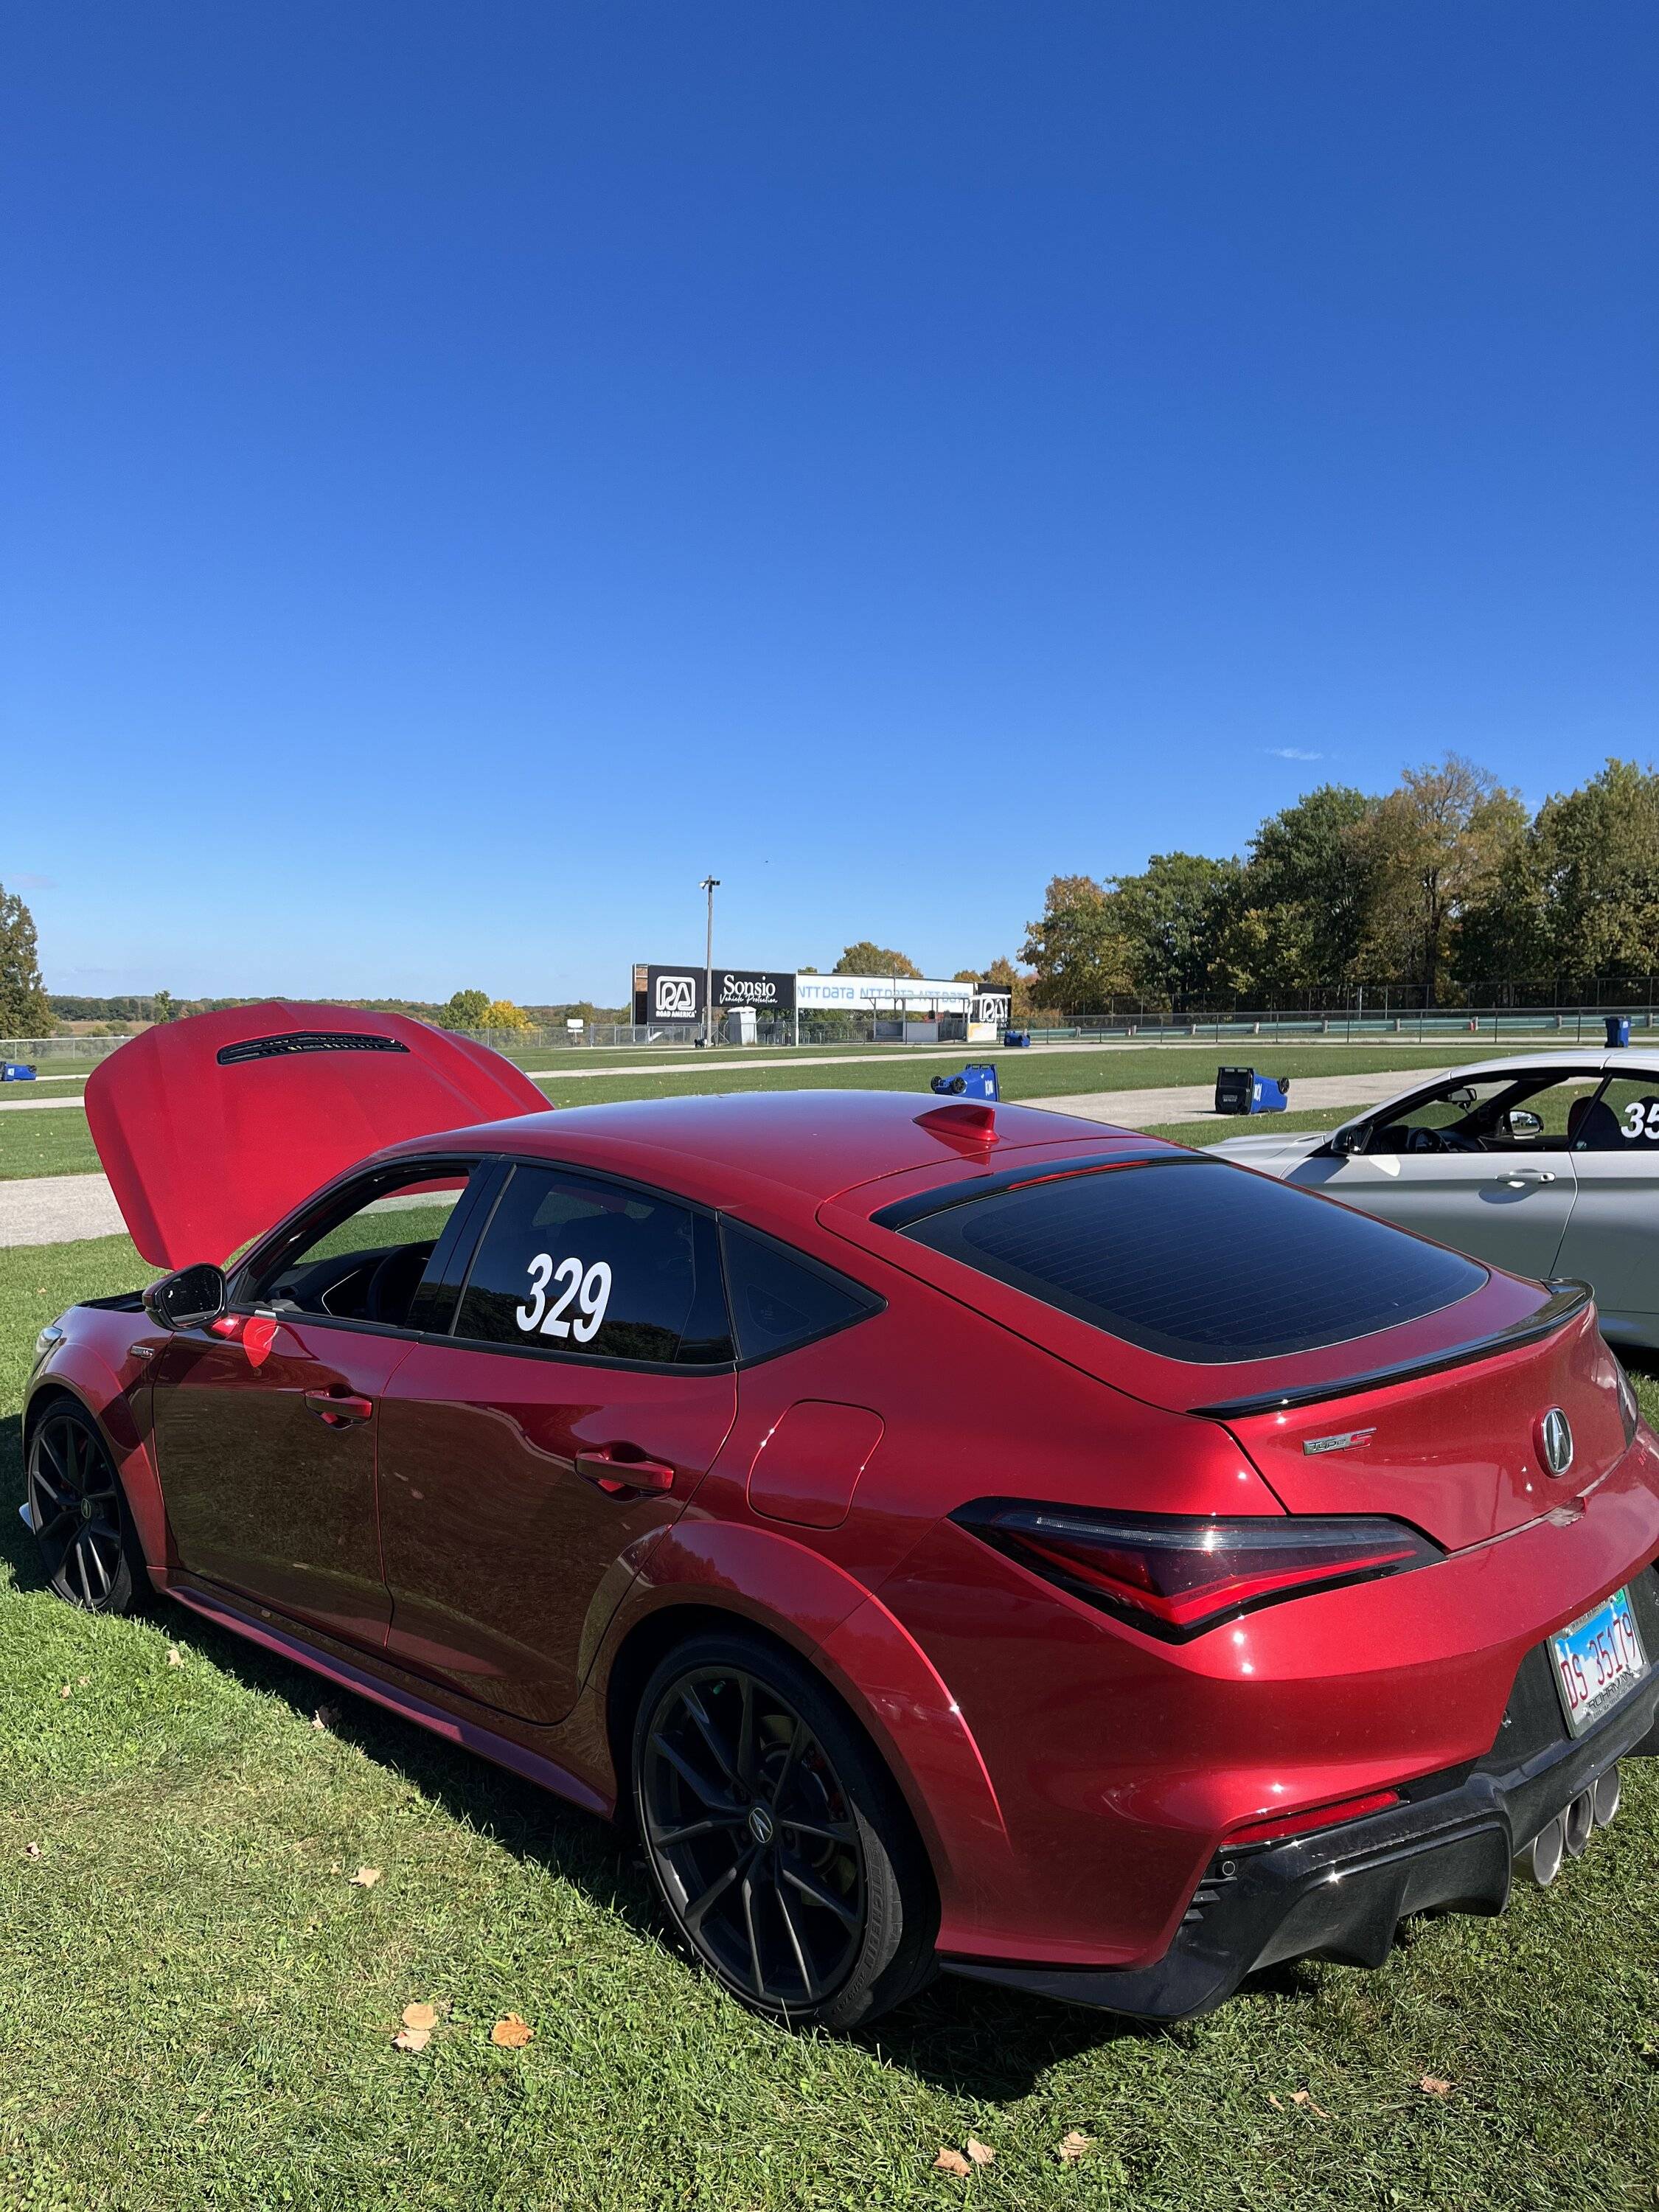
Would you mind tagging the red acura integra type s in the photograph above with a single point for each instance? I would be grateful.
(954, 1535)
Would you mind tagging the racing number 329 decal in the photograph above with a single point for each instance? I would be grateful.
(590, 1287)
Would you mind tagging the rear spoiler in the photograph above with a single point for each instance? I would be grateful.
(1566, 1298)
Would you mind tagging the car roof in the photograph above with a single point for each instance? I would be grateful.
(795, 1148)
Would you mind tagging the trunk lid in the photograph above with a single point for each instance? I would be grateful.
(1460, 1452)
(211, 1128)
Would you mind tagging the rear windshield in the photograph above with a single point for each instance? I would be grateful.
(1199, 1261)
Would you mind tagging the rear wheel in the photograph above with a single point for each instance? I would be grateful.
(88, 1546)
(777, 1840)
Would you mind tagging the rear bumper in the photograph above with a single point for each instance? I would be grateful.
(1341, 1893)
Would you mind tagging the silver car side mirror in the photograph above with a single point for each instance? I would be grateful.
(1349, 1140)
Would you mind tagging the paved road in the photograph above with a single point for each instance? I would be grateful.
(60, 1209)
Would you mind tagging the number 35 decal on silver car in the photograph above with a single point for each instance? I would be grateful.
(591, 1289)
(1642, 1119)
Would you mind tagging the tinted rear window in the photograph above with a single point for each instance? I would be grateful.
(1200, 1262)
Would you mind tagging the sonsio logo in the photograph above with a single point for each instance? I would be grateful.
(676, 997)
(750, 990)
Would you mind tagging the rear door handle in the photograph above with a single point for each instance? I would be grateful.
(341, 1410)
(617, 1476)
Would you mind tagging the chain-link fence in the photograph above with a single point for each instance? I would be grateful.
(544, 1051)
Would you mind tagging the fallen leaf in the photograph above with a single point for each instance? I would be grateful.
(334, 1866)
(1274, 2102)
(1073, 2146)
(66, 1691)
(421, 2015)
(1302, 2097)
(511, 2034)
(365, 1877)
(175, 1657)
(82, 1680)
(31, 1851)
(981, 2153)
(200, 2118)
(411, 2039)
(1434, 2085)
(952, 2161)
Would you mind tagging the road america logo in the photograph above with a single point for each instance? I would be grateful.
(676, 997)
(1555, 1441)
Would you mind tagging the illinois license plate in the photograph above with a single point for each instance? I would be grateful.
(1596, 1660)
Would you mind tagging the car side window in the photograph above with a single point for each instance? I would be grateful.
(1536, 1112)
(781, 1298)
(574, 1265)
(1624, 1119)
(367, 1256)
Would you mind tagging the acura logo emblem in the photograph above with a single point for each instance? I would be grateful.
(1555, 1441)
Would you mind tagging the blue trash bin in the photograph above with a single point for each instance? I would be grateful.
(1618, 1028)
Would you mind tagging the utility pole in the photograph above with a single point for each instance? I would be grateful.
(711, 885)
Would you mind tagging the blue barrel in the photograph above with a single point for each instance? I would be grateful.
(1618, 1028)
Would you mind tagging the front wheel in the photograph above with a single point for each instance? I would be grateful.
(88, 1546)
(777, 1843)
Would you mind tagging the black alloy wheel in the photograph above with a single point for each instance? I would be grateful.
(777, 1838)
(88, 1545)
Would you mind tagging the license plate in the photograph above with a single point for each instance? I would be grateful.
(1596, 1660)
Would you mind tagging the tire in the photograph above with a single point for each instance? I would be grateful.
(824, 1920)
(89, 1549)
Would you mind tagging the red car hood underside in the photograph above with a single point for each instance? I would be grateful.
(211, 1128)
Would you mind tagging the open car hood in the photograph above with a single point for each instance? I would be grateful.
(211, 1128)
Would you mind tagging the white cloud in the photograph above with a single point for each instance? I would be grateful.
(1292, 752)
(25, 882)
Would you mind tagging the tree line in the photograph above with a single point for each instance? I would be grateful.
(1445, 890)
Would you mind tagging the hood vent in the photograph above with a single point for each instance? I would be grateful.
(278, 1047)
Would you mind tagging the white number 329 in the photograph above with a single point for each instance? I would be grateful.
(591, 1290)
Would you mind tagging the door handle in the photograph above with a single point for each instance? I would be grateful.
(339, 1409)
(1516, 1178)
(615, 1476)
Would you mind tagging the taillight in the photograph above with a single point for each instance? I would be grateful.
(1176, 1576)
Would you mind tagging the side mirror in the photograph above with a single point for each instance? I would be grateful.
(1525, 1123)
(189, 1299)
(1349, 1140)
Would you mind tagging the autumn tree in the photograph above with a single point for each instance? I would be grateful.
(1080, 959)
(1299, 920)
(864, 958)
(1432, 848)
(1173, 917)
(1596, 854)
(465, 1010)
(24, 1011)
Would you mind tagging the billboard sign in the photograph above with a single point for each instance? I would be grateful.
(662, 994)
(888, 993)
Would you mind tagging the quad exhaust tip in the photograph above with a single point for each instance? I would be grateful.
(1578, 1824)
(1568, 1835)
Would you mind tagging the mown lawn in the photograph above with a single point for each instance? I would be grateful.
(49, 1144)
(197, 2005)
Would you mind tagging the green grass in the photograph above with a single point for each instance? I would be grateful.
(50, 1144)
(197, 2007)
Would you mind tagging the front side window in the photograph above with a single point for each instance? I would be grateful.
(571, 1264)
(1199, 1261)
(365, 1258)
(1539, 1112)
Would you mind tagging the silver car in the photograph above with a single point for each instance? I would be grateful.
(1546, 1166)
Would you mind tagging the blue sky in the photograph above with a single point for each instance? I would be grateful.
(471, 471)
